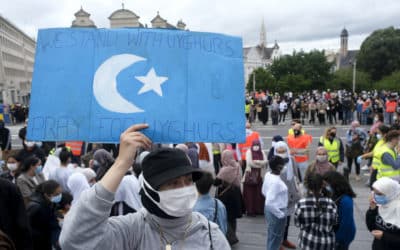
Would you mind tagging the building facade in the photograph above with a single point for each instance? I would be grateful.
(17, 53)
(345, 58)
(260, 55)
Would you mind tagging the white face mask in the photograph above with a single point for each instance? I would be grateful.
(256, 148)
(284, 156)
(30, 144)
(174, 202)
(378, 136)
(322, 158)
(12, 166)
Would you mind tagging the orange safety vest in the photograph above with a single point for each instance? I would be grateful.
(390, 107)
(76, 147)
(243, 147)
(301, 142)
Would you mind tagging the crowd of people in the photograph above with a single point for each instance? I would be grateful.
(323, 108)
(139, 195)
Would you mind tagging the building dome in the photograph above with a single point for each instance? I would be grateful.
(344, 32)
(123, 14)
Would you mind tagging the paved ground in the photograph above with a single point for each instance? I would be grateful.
(251, 231)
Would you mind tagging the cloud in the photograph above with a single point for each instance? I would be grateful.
(294, 24)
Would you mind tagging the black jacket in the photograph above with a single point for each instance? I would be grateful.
(43, 221)
(391, 233)
(24, 153)
(13, 220)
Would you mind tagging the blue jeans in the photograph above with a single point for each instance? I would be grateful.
(275, 230)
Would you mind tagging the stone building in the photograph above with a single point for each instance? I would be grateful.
(17, 53)
(259, 55)
(344, 57)
(82, 19)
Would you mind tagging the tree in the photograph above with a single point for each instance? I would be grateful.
(391, 82)
(343, 79)
(380, 53)
(312, 69)
(264, 80)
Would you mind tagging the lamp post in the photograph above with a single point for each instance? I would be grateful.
(354, 75)
(254, 82)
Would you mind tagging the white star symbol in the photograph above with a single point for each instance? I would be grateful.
(151, 82)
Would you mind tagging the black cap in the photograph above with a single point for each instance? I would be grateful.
(166, 164)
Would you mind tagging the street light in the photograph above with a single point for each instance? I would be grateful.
(254, 82)
(354, 75)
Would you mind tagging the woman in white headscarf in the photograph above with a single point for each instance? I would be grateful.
(383, 216)
(290, 176)
(77, 183)
(127, 198)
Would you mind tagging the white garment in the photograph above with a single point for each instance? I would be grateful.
(282, 106)
(77, 183)
(390, 212)
(276, 195)
(51, 164)
(61, 175)
(88, 173)
(128, 192)
(289, 165)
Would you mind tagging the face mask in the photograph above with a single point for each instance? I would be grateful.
(12, 166)
(378, 136)
(174, 202)
(57, 198)
(38, 169)
(376, 119)
(322, 158)
(256, 148)
(30, 144)
(333, 135)
(329, 189)
(283, 156)
(381, 199)
(296, 132)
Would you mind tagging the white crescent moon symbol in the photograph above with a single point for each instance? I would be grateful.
(105, 84)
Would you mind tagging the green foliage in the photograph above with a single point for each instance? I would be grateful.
(264, 80)
(380, 53)
(343, 79)
(391, 82)
(311, 70)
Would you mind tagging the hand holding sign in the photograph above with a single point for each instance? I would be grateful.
(92, 84)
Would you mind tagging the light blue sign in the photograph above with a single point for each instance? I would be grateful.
(92, 84)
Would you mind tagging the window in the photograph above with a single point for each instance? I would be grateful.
(14, 72)
(11, 58)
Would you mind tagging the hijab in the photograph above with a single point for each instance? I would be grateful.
(183, 147)
(104, 160)
(203, 153)
(77, 183)
(88, 173)
(390, 212)
(230, 171)
(322, 167)
(128, 192)
(275, 139)
(256, 155)
(289, 165)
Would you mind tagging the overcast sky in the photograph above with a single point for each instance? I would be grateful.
(295, 24)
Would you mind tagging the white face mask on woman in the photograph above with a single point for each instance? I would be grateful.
(177, 202)
(322, 158)
(12, 166)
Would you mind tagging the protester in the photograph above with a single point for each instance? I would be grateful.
(354, 148)
(320, 165)
(228, 191)
(205, 159)
(168, 197)
(90, 175)
(13, 219)
(388, 162)
(30, 149)
(276, 202)
(333, 145)
(77, 183)
(244, 147)
(42, 215)
(5, 137)
(316, 215)
(217, 148)
(61, 173)
(12, 169)
(193, 154)
(127, 197)
(275, 139)
(256, 162)
(343, 195)
(299, 144)
(31, 176)
(213, 209)
(382, 217)
(290, 175)
(103, 160)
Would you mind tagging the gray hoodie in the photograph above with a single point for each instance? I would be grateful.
(88, 226)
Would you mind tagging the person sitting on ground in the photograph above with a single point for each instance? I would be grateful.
(213, 209)
(168, 195)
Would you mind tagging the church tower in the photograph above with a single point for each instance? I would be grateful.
(344, 37)
(263, 35)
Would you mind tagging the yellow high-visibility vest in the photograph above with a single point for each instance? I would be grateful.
(385, 170)
(332, 148)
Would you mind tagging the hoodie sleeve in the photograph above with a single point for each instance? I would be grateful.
(88, 226)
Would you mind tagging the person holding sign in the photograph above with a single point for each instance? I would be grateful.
(168, 196)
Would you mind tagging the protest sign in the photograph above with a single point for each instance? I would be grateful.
(91, 84)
